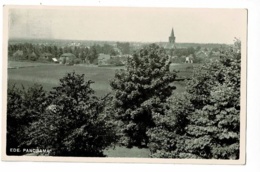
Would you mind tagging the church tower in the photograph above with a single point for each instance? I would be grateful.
(172, 38)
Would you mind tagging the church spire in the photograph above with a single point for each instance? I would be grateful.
(172, 34)
(172, 37)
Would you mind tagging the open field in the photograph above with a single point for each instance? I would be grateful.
(23, 64)
(48, 75)
(127, 152)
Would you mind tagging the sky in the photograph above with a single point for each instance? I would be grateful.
(127, 24)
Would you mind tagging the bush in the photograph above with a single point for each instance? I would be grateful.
(33, 57)
(77, 61)
(74, 124)
(140, 92)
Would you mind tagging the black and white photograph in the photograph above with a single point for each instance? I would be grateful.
(125, 84)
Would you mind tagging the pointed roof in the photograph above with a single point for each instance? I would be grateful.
(172, 34)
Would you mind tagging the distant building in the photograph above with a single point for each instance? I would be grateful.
(18, 54)
(189, 59)
(55, 60)
(171, 43)
(33, 56)
(117, 51)
(46, 56)
(67, 58)
(103, 59)
(170, 46)
(172, 38)
(215, 54)
(119, 60)
(201, 54)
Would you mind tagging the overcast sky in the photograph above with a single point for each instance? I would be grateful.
(128, 24)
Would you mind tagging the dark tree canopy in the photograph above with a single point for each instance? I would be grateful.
(140, 92)
(23, 108)
(204, 122)
(73, 124)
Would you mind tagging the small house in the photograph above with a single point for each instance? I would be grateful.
(201, 54)
(189, 59)
(67, 59)
(18, 55)
(33, 56)
(46, 56)
(103, 59)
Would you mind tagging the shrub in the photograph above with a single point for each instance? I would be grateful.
(77, 61)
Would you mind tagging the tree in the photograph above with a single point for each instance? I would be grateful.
(74, 123)
(198, 48)
(93, 55)
(24, 106)
(140, 92)
(214, 128)
(168, 136)
(124, 47)
(206, 125)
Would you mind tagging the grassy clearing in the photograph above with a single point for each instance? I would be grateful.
(48, 75)
(127, 152)
(20, 64)
(184, 70)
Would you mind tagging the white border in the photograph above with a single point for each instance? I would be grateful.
(253, 85)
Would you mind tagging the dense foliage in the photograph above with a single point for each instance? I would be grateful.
(70, 121)
(140, 92)
(38, 52)
(73, 123)
(23, 108)
(204, 121)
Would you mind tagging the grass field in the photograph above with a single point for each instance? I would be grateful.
(23, 64)
(48, 75)
(127, 152)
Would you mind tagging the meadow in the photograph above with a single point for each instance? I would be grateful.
(48, 75)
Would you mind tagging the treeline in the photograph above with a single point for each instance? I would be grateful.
(203, 45)
(143, 110)
(198, 54)
(34, 52)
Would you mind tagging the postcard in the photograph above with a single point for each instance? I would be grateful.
(124, 84)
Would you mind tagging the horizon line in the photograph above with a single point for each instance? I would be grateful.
(144, 42)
